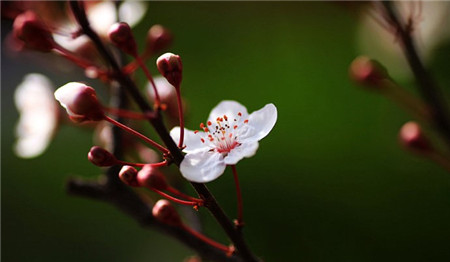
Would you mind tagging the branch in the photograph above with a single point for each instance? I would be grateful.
(129, 203)
(157, 122)
(427, 86)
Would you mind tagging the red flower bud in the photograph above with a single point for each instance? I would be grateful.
(158, 38)
(151, 177)
(128, 175)
(412, 137)
(80, 102)
(100, 157)
(33, 32)
(170, 66)
(121, 35)
(164, 212)
(367, 72)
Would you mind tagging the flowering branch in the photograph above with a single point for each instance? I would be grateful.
(157, 122)
(427, 86)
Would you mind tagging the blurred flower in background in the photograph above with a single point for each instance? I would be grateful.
(38, 115)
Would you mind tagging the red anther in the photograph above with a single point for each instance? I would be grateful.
(33, 32)
(80, 102)
(412, 137)
(234, 127)
(121, 35)
(164, 212)
(239, 114)
(158, 39)
(196, 131)
(100, 157)
(246, 121)
(170, 66)
(202, 125)
(209, 123)
(368, 72)
(150, 177)
(203, 140)
(225, 117)
(128, 175)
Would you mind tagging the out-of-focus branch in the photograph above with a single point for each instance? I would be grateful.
(426, 84)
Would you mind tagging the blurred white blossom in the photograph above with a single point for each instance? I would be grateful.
(38, 115)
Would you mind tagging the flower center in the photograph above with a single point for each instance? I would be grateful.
(223, 135)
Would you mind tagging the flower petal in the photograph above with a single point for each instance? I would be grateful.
(237, 153)
(260, 123)
(229, 108)
(202, 166)
(192, 141)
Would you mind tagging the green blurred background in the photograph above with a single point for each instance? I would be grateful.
(329, 183)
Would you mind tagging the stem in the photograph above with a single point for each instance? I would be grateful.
(180, 115)
(150, 78)
(125, 113)
(181, 194)
(68, 55)
(179, 201)
(136, 133)
(428, 88)
(440, 159)
(240, 220)
(206, 239)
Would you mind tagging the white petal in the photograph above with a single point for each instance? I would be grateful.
(229, 108)
(260, 124)
(192, 141)
(237, 153)
(202, 166)
(132, 12)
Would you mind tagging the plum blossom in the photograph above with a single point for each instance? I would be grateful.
(230, 134)
(38, 115)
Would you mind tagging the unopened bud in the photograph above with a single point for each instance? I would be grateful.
(158, 38)
(368, 72)
(80, 102)
(170, 66)
(121, 35)
(412, 137)
(151, 177)
(164, 212)
(33, 32)
(128, 175)
(100, 157)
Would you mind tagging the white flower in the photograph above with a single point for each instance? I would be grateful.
(229, 135)
(38, 115)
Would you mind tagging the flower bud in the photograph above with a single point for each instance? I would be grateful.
(164, 212)
(121, 35)
(33, 32)
(100, 157)
(151, 177)
(412, 137)
(128, 175)
(368, 72)
(158, 38)
(170, 66)
(80, 102)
